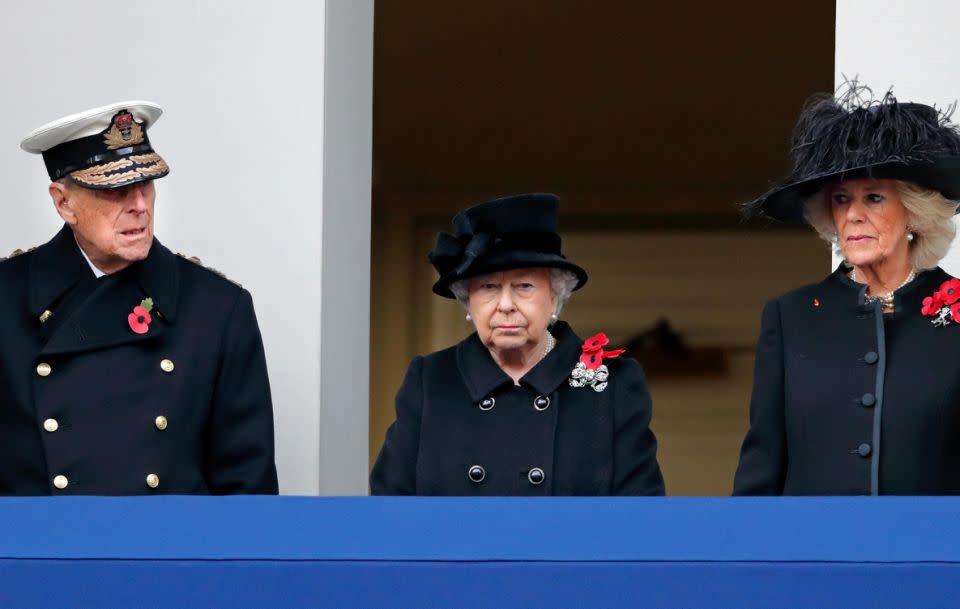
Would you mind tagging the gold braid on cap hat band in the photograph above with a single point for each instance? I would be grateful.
(100, 175)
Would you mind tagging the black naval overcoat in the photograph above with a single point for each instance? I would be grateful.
(464, 428)
(848, 400)
(90, 406)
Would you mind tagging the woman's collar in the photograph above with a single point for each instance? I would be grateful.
(915, 290)
(483, 376)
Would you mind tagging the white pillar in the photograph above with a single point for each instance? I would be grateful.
(912, 46)
(345, 326)
(269, 177)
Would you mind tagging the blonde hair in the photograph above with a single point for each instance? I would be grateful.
(929, 218)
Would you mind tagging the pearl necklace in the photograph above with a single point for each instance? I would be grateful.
(885, 299)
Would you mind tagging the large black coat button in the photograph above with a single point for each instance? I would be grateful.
(487, 403)
(541, 403)
(535, 476)
(871, 357)
(477, 473)
(868, 400)
(864, 450)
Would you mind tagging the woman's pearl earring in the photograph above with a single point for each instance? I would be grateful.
(468, 318)
(553, 317)
(909, 236)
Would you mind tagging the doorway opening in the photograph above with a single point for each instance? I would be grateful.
(652, 121)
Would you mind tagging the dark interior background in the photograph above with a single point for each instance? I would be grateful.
(652, 120)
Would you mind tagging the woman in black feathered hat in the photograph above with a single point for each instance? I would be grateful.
(857, 380)
(523, 406)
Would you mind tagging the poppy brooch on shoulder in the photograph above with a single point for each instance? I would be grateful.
(944, 305)
(590, 371)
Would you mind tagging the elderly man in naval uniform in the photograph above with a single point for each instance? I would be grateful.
(124, 369)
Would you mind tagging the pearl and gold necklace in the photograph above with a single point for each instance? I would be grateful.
(885, 299)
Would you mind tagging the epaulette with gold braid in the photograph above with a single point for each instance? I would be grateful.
(16, 253)
(200, 263)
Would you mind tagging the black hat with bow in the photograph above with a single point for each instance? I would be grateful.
(513, 232)
(854, 136)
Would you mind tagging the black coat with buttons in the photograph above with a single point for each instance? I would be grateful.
(86, 406)
(464, 428)
(848, 400)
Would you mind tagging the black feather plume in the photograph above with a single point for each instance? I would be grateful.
(852, 131)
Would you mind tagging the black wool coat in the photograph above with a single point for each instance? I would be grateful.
(464, 428)
(848, 400)
(87, 406)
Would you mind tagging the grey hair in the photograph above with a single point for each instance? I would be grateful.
(562, 283)
(929, 218)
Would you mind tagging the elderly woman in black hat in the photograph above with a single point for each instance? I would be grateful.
(856, 383)
(523, 406)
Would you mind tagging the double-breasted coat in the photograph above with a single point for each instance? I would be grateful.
(464, 428)
(88, 406)
(848, 400)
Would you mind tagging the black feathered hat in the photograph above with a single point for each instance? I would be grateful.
(513, 232)
(854, 136)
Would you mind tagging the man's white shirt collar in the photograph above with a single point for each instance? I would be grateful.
(96, 272)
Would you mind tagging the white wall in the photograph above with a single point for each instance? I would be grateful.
(912, 46)
(242, 86)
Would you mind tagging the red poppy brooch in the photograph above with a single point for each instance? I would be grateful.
(590, 371)
(943, 306)
(140, 319)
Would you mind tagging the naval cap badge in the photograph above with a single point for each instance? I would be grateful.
(124, 131)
